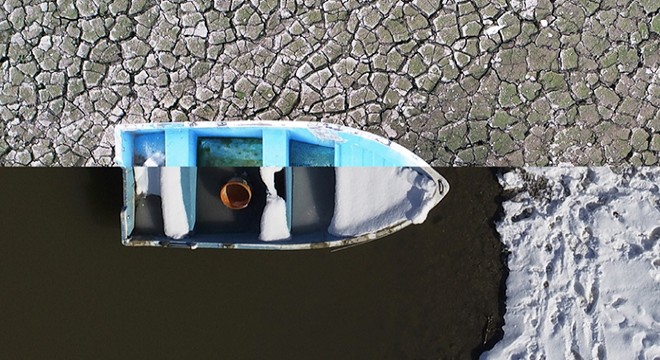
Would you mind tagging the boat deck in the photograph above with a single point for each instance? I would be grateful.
(212, 217)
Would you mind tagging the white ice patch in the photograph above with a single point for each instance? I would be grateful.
(175, 218)
(584, 277)
(268, 177)
(273, 221)
(369, 199)
(274, 224)
(147, 180)
(323, 133)
(526, 7)
(45, 43)
(530, 6)
(156, 158)
(147, 176)
(201, 30)
(494, 29)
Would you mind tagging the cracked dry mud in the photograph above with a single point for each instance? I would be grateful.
(518, 82)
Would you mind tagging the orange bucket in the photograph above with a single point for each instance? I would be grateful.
(236, 194)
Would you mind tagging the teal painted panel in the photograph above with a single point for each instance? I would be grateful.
(218, 152)
(304, 154)
(146, 146)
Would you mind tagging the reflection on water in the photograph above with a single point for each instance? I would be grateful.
(427, 291)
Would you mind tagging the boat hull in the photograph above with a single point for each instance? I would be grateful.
(178, 145)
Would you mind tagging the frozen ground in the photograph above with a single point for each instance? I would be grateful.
(584, 278)
(483, 82)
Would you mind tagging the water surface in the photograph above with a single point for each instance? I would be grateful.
(71, 290)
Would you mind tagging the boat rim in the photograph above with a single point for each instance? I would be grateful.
(415, 160)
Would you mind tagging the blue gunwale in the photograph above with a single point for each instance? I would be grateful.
(352, 147)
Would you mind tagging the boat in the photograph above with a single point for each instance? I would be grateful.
(274, 185)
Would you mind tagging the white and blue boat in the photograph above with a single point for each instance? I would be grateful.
(310, 185)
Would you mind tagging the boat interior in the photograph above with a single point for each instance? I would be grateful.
(309, 194)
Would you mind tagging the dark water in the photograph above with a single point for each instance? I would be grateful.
(69, 289)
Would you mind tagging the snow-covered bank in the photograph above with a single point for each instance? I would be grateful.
(584, 277)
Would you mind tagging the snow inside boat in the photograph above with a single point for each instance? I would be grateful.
(308, 185)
